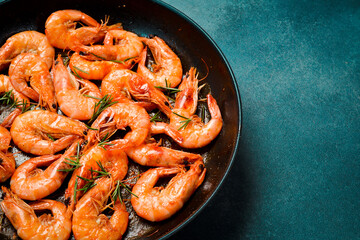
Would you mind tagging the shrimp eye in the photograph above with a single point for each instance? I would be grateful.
(56, 62)
(54, 105)
(84, 132)
(201, 166)
(82, 53)
(186, 161)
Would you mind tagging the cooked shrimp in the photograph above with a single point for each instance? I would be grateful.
(167, 72)
(27, 41)
(74, 102)
(90, 223)
(95, 70)
(30, 182)
(114, 161)
(127, 45)
(119, 116)
(29, 67)
(7, 161)
(29, 226)
(195, 133)
(42, 132)
(150, 154)
(60, 29)
(158, 203)
(20, 99)
(123, 82)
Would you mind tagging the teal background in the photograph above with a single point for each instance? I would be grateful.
(297, 172)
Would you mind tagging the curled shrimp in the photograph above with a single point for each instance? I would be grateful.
(95, 70)
(60, 29)
(120, 116)
(29, 227)
(122, 83)
(21, 100)
(29, 67)
(114, 161)
(74, 102)
(90, 223)
(127, 45)
(151, 154)
(42, 132)
(195, 133)
(167, 72)
(7, 164)
(30, 182)
(158, 203)
(27, 41)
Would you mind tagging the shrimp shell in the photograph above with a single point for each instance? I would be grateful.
(33, 131)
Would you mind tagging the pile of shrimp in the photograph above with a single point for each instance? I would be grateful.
(85, 112)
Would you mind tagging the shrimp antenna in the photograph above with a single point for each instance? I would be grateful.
(207, 69)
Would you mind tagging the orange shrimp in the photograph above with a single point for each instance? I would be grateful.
(119, 116)
(7, 164)
(167, 72)
(30, 182)
(29, 226)
(195, 133)
(29, 67)
(88, 221)
(27, 41)
(114, 161)
(42, 132)
(60, 29)
(123, 82)
(95, 70)
(72, 101)
(127, 45)
(20, 99)
(150, 154)
(158, 203)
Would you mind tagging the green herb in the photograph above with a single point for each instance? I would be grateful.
(74, 163)
(127, 189)
(8, 99)
(117, 193)
(75, 73)
(105, 142)
(156, 118)
(89, 96)
(116, 61)
(102, 172)
(91, 128)
(75, 189)
(100, 106)
(49, 136)
(169, 89)
(80, 70)
(185, 122)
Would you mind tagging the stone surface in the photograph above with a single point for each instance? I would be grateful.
(297, 173)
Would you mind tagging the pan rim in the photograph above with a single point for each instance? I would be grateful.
(238, 98)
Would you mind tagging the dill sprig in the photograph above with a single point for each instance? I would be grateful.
(101, 105)
(105, 142)
(116, 61)
(185, 122)
(51, 137)
(83, 71)
(156, 118)
(117, 192)
(75, 162)
(169, 89)
(102, 172)
(76, 74)
(8, 99)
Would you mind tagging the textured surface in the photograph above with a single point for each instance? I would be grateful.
(297, 174)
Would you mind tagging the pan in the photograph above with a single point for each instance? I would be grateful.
(193, 46)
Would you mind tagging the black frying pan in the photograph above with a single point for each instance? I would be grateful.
(193, 46)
